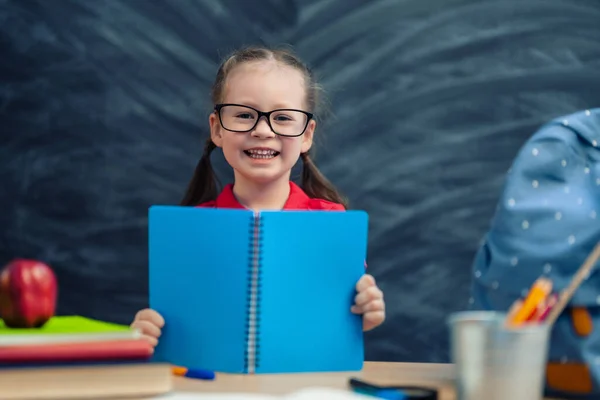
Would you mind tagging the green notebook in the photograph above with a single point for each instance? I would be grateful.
(66, 329)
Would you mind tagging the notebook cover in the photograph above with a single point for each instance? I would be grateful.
(198, 269)
(77, 363)
(310, 264)
(91, 351)
(66, 324)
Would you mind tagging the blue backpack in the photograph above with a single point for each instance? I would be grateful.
(546, 224)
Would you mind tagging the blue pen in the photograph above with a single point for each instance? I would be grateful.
(382, 393)
(194, 373)
(401, 392)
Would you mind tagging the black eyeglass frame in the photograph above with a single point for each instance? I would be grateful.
(267, 115)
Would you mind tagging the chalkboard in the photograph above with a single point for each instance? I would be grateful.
(104, 105)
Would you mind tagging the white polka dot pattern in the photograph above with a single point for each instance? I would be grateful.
(546, 223)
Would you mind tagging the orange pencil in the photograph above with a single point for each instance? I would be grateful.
(512, 311)
(536, 312)
(540, 290)
(543, 309)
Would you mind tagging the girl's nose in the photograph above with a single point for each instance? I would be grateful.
(262, 129)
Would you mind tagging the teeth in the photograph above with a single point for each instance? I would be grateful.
(261, 153)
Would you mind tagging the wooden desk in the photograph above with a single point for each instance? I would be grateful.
(384, 373)
(438, 375)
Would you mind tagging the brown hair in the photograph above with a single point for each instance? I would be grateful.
(204, 186)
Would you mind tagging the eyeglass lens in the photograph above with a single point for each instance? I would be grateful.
(243, 119)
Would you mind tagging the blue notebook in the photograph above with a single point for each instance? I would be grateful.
(257, 293)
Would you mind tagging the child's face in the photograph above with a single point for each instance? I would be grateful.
(265, 86)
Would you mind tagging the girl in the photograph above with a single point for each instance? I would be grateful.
(263, 121)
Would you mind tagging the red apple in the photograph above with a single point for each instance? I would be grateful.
(28, 291)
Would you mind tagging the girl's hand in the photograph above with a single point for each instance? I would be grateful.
(369, 302)
(149, 322)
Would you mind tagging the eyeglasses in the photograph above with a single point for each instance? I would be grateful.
(283, 121)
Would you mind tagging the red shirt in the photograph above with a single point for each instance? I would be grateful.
(297, 200)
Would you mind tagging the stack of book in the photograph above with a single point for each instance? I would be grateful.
(75, 357)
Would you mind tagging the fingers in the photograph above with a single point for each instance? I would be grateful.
(151, 316)
(147, 328)
(364, 282)
(369, 294)
(373, 305)
(149, 323)
(369, 302)
(150, 339)
(373, 319)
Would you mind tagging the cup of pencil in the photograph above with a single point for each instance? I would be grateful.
(500, 356)
(495, 361)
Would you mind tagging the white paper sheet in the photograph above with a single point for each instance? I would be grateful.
(316, 393)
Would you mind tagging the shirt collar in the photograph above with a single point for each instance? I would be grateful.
(297, 200)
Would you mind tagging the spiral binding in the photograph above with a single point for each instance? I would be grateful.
(252, 353)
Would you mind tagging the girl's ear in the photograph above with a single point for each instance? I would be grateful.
(307, 137)
(215, 129)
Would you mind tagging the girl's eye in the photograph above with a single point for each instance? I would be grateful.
(245, 116)
(283, 118)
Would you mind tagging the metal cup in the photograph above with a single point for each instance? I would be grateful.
(494, 362)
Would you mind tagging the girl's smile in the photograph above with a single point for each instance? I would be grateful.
(261, 153)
